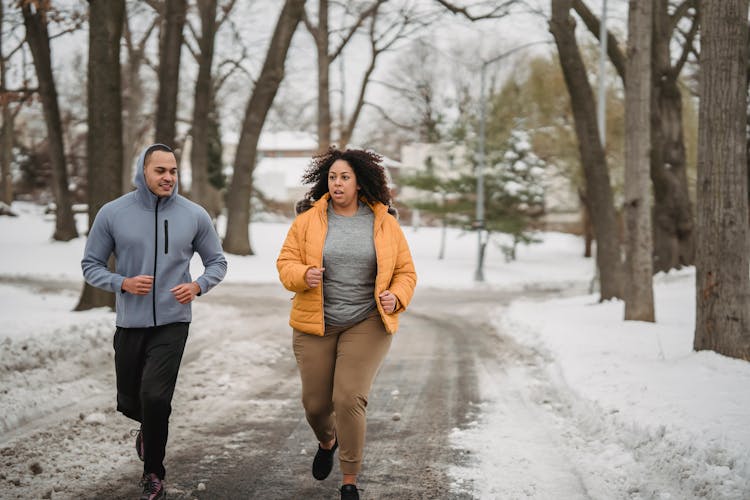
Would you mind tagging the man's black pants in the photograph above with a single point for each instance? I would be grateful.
(147, 361)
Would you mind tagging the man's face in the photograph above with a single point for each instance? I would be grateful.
(161, 173)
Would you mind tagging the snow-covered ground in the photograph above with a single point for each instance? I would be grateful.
(638, 390)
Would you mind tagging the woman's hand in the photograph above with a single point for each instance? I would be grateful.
(388, 301)
(314, 276)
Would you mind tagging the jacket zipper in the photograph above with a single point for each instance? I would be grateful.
(166, 236)
(156, 252)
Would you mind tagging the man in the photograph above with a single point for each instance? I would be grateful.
(153, 233)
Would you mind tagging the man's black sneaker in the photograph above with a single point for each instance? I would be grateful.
(323, 462)
(349, 492)
(153, 487)
(139, 443)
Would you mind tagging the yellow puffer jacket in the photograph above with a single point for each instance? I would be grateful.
(303, 249)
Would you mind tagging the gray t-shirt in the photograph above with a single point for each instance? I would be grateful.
(350, 267)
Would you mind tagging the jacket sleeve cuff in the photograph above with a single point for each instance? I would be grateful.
(117, 283)
(202, 284)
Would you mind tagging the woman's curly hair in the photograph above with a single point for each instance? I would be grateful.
(366, 165)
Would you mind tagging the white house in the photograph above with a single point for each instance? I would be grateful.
(282, 159)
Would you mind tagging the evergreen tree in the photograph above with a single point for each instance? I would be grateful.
(513, 193)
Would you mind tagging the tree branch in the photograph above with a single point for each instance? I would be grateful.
(594, 26)
(23, 91)
(10, 54)
(309, 25)
(370, 11)
(157, 5)
(389, 38)
(72, 29)
(235, 65)
(401, 90)
(195, 52)
(192, 30)
(225, 11)
(680, 12)
(500, 10)
(142, 43)
(384, 114)
(687, 47)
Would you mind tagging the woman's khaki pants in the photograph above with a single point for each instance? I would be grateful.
(337, 371)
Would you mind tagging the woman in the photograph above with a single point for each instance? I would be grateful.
(349, 264)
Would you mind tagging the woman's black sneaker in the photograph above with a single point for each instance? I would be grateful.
(349, 492)
(323, 462)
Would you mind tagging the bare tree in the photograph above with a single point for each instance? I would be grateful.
(237, 238)
(6, 133)
(170, 48)
(37, 36)
(104, 140)
(321, 33)
(494, 9)
(415, 86)
(593, 159)
(722, 280)
(639, 292)
(383, 33)
(672, 212)
(673, 221)
(9, 113)
(202, 191)
(135, 126)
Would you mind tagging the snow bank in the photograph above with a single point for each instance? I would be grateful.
(679, 413)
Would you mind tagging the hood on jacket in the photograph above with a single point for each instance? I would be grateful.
(144, 193)
(306, 204)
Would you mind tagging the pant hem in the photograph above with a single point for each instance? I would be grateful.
(350, 467)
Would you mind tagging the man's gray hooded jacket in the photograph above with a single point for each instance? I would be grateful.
(157, 237)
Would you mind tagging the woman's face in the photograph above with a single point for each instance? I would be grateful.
(342, 184)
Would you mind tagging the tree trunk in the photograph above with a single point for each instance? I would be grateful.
(587, 227)
(324, 68)
(6, 133)
(6, 195)
(346, 133)
(672, 218)
(639, 292)
(237, 239)
(674, 243)
(35, 20)
(593, 160)
(170, 47)
(722, 281)
(202, 104)
(133, 126)
(104, 138)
